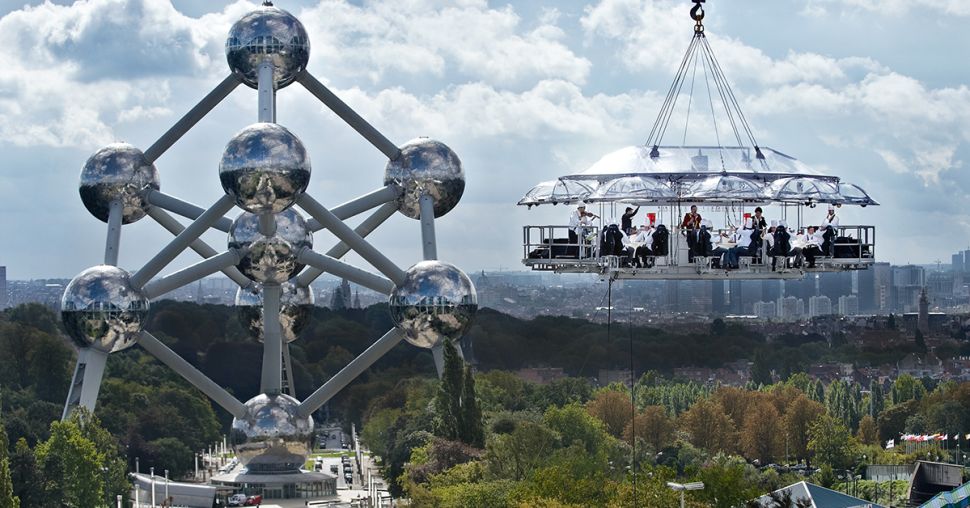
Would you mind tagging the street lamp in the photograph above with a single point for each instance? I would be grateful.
(684, 487)
(152, 472)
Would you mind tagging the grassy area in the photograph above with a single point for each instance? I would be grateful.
(331, 454)
(326, 455)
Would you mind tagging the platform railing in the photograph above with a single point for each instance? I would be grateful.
(548, 247)
(551, 243)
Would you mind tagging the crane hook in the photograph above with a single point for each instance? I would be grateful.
(697, 14)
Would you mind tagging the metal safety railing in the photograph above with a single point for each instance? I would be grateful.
(552, 243)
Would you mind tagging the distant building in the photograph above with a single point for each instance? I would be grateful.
(908, 282)
(849, 305)
(765, 310)
(923, 321)
(700, 375)
(609, 376)
(791, 308)
(819, 306)
(541, 375)
(920, 366)
(809, 494)
(3, 287)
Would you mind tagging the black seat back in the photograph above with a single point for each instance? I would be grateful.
(612, 241)
(661, 241)
(702, 246)
(782, 239)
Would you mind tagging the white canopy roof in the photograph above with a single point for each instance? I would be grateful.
(558, 191)
(675, 162)
(697, 174)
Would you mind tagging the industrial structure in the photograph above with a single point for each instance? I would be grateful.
(265, 171)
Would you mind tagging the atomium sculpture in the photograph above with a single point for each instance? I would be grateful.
(265, 171)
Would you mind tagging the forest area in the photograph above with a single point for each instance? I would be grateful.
(149, 412)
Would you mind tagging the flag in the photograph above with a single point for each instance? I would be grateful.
(944, 438)
(967, 437)
(890, 444)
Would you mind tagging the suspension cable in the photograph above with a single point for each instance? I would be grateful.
(690, 100)
(710, 99)
(740, 127)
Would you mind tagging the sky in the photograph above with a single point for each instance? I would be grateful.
(873, 92)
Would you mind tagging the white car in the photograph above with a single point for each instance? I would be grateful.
(237, 500)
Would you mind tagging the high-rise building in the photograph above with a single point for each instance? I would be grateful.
(923, 319)
(765, 310)
(875, 289)
(819, 306)
(907, 283)
(3, 287)
(790, 308)
(849, 305)
(957, 262)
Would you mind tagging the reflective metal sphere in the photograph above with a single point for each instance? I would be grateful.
(436, 301)
(295, 310)
(273, 258)
(426, 166)
(268, 33)
(117, 171)
(265, 168)
(271, 437)
(100, 309)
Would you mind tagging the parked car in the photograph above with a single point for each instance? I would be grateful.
(237, 500)
(254, 500)
(333, 468)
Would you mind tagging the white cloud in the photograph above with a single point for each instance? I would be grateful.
(653, 36)
(426, 37)
(890, 7)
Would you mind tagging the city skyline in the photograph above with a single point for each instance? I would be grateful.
(569, 82)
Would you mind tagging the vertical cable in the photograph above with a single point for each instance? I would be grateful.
(633, 411)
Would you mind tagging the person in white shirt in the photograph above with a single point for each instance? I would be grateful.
(742, 241)
(831, 219)
(798, 245)
(644, 249)
(813, 245)
(717, 251)
(579, 220)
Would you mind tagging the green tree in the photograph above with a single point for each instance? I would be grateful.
(575, 425)
(26, 476)
(868, 432)
(71, 466)
(761, 369)
(7, 497)
(907, 387)
(473, 429)
(727, 482)
(114, 464)
(877, 401)
(515, 456)
(831, 442)
(447, 403)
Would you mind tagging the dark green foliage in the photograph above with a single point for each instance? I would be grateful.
(472, 427)
(447, 403)
(761, 369)
(7, 497)
(28, 482)
(919, 341)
